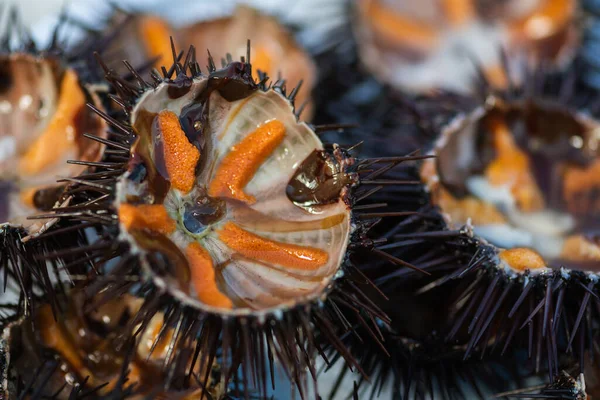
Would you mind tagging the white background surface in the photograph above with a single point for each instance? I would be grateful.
(33, 11)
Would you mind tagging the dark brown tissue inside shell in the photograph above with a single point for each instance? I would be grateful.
(317, 181)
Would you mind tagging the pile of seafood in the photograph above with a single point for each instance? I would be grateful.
(368, 199)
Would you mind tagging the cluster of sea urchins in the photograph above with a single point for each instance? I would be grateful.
(177, 230)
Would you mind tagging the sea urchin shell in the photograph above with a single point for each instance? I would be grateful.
(240, 196)
(234, 222)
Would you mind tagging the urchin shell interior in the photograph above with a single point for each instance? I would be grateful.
(525, 175)
(237, 194)
(43, 118)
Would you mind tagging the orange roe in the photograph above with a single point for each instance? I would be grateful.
(203, 277)
(146, 216)
(399, 28)
(60, 134)
(521, 259)
(53, 336)
(27, 196)
(546, 20)
(243, 160)
(511, 167)
(258, 248)
(579, 248)
(261, 60)
(459, 12)
(496, 75)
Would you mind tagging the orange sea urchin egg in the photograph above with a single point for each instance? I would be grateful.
(242, 162)
(522, 259)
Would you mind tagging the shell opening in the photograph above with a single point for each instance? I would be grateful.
(249, 209)
(527, 176)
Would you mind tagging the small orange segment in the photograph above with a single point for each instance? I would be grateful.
(460, 210)
(156, 34)
(58, 336)
(181, 157)
(258, 248)
(203, 277)
(146, 216)
(521, 259)
(60, 134)
(53, 335)
(496, 75)
(243, 160)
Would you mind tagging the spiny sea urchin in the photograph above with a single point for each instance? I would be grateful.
(535, 254)
(470, 302)
(218, 170)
